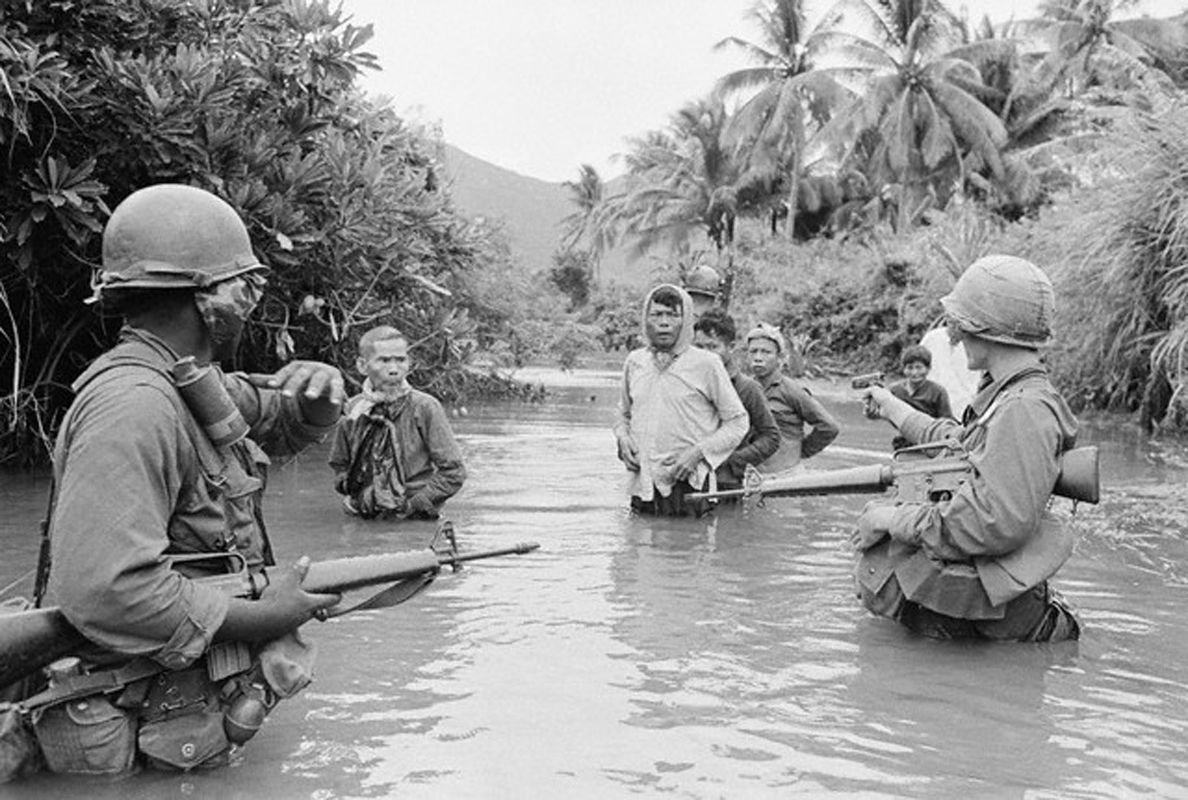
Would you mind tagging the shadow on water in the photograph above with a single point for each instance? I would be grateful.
(723, 657)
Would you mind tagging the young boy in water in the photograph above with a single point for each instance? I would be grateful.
(394, 454)
(917, 391)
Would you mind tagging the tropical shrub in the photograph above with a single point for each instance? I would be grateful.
(254, 101)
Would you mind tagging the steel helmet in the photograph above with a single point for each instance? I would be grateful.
(173, 236)
(1004, 299)
(703, 280)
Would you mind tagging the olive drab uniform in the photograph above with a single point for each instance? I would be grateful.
(977, 566)
(140, 482)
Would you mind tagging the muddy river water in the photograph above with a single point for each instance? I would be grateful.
(724, 657)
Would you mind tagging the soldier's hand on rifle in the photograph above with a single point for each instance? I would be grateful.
(284, 591)
(283, 606)
(873, 525)
(628, 452)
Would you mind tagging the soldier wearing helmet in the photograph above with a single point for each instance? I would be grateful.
(154, 461)
(704, 286)
(978, 565)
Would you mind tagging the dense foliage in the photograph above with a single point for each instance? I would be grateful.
(253, 100)
(898, 142)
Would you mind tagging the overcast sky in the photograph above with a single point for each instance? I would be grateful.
(542, 86)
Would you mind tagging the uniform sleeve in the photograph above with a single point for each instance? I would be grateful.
(444, 453)
(920, 428)
(275, 421)
(999, 508)
(119, 480)
(764, 433)
(824, 426)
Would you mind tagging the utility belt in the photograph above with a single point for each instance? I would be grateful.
(106, 721)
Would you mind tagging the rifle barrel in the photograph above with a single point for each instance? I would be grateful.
(515, 550)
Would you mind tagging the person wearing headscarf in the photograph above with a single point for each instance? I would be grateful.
(679, 415)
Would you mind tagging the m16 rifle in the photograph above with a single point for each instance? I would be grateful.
(32, 639)
(917, 475)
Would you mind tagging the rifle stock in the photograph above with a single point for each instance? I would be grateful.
(1079, 479)
(35, 638)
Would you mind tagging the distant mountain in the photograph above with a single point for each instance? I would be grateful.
(530, 209)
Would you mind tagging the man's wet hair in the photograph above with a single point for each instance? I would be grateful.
(719, 324)
(380, 333)
(916, 354)
(669, 297)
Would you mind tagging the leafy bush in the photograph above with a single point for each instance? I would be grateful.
(253, 101)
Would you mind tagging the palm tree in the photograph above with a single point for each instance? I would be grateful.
(770, 128)
(682, 182)
(921, 94)
(580, 229)
(1085, 36)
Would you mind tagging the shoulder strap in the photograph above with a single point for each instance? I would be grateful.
(208, 455)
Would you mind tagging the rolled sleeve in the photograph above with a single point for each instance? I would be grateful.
(998, 509)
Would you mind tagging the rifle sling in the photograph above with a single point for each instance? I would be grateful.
(394, 595)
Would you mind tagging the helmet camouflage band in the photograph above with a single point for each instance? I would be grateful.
(1004, 299)
(171, 236)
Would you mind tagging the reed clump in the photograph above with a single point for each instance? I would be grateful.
(1119, 256)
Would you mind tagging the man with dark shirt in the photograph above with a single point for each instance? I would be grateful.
(715, 331)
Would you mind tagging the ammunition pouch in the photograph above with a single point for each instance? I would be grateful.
(192, 738)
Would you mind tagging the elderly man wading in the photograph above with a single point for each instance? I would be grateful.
(679, 416)
(977, 565)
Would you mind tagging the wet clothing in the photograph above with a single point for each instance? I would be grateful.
(973, 556)
(929, 397)
(670, 401)
(386, 451)
(137, 482)
(763, 436)
(794, 407)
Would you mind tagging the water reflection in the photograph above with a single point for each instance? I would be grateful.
(724, 657)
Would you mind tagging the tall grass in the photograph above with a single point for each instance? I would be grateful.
(1119, 254)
